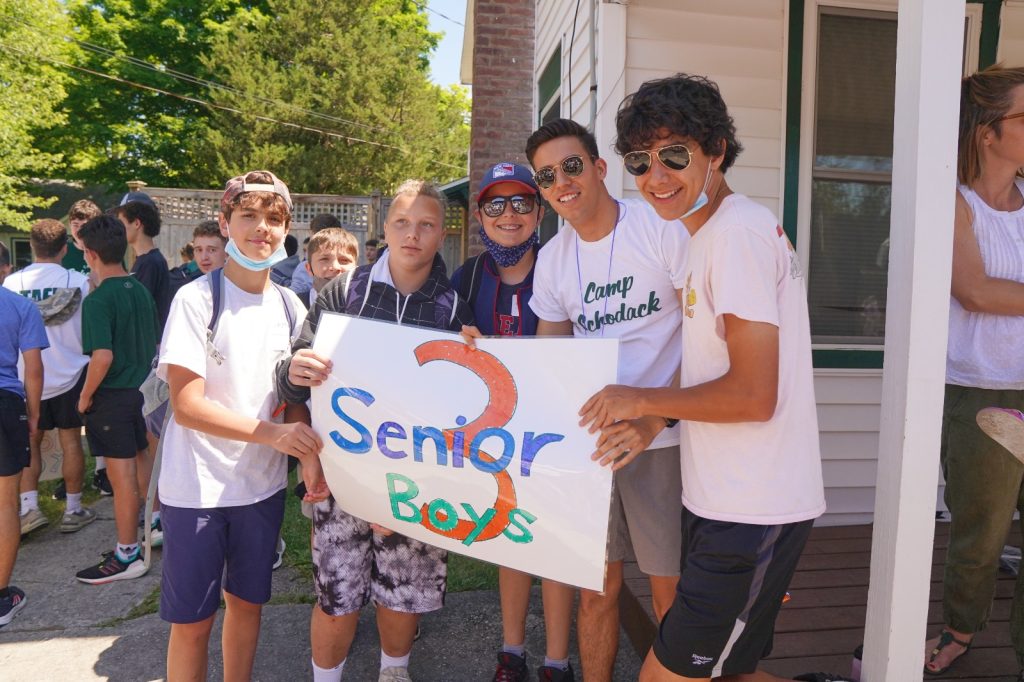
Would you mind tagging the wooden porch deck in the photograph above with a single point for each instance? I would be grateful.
(818, 629)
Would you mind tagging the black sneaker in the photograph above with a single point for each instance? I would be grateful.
(61, 491)
(102, 483)
(547, 673)
(112, 568)
(10, 606)
(511, 668)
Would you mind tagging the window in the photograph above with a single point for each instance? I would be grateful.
(845, 233)
(549, 108)
(21, 253)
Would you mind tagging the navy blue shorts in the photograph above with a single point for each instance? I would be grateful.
(200, 543)
(14, 453)
(733, 578)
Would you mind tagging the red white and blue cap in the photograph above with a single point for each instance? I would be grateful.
(237, 185)
(507, 171)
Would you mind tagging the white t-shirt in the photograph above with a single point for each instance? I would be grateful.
(63, 360)
(200, 471)
(741, 263)
(626, 291)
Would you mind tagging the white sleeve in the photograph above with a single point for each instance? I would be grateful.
(184, 340)
(545, 301)
(744, 275)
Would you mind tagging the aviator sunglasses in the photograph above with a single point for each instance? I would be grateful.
(495, 206)
(572, 166)
(674, 157)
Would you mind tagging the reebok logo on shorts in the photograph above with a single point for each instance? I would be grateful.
(697, 659)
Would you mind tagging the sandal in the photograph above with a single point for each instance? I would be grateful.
(945, 639)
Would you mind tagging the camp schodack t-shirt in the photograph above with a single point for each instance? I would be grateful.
(741, 263)
(622, 286)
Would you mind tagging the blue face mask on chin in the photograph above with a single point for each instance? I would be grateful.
(702, 198)
(255, 265)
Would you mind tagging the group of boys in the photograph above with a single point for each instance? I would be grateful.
(711, 430)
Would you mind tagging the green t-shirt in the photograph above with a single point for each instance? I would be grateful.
(120, 316)
(74, 259)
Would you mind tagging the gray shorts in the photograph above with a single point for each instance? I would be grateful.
(352, 564)
(647, 505)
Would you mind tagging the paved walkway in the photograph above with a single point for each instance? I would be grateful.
(72, 631)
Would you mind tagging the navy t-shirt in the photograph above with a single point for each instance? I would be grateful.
(151, 269)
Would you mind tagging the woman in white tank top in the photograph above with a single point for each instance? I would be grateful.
(985, 359)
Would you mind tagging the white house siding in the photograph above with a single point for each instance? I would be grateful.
(1011, 34)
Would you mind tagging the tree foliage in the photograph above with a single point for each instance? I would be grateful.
(364, 65)
(31, 89)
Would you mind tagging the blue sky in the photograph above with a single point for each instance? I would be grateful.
(444, 66)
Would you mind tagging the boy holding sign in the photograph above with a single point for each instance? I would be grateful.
(352, 560)
(750, 460)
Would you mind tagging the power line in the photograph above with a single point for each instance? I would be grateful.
(196, 100)
(423, 5)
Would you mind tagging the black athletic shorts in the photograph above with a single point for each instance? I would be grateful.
(733, 578)
(61, 411)
(14, 454)
(114, 426)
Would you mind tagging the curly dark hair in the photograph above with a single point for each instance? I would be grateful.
(561, 127)
(690, 106)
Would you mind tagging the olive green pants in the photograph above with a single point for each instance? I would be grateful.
(983, 488)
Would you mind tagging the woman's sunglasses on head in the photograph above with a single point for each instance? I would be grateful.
(572, 166)
(495, 206)
(674, 157)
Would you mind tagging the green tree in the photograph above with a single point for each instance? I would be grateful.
(117, 131)
(32, 36)
(362, 64)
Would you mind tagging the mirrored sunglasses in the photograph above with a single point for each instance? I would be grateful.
(674, 157)
(572, 166)
(495, 206)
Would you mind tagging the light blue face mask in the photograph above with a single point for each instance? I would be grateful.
(255, 265)
(702, 199)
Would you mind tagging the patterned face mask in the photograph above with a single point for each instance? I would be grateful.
(507, 256)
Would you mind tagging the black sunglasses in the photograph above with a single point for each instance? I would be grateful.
(495, 206)
(572, 166)
(674, 157)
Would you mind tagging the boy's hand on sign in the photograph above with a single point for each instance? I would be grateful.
(609, 405)
(470, 334)
(313, 477)
(622, 441)
(308, 368)
(381, 530)
(297, 439)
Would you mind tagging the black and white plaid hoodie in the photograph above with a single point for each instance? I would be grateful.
(348, 294)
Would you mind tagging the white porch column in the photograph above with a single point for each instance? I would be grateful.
(928, 70)
(611, 88)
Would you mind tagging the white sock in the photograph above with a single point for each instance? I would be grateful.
(393, 661)
(156, 515)
(29, 501)
(518, 650)
(74, 502)
(327, 674)
(101, 463)
(127, 553)
(560, 663)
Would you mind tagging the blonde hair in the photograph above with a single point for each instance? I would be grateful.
(333, 238)
(425, 188)
(985, 97)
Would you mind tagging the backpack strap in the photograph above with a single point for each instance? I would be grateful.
(217, 289)
(287, 308)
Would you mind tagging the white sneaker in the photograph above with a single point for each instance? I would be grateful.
(76, 520)
(396, 674)
(1004, 426)
(31, 520)
(279, 557)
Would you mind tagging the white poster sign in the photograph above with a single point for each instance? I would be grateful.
(475, 451)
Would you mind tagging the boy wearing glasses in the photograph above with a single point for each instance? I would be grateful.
(752, 468)
(615, 273)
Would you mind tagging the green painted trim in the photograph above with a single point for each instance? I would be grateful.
(989, 43)
(795, 62)
(848, 359)
(550, 81)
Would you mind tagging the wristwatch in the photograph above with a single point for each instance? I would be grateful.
(669, 423)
